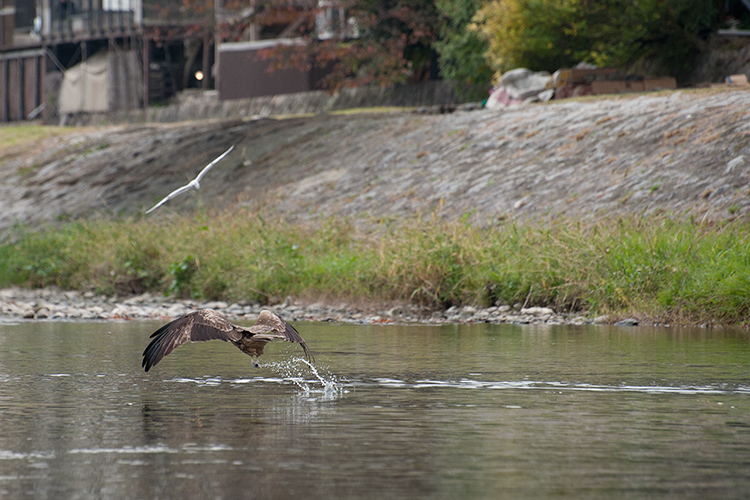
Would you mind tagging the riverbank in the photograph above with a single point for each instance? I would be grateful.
(626, 206)
(652, 268)
(52, 304)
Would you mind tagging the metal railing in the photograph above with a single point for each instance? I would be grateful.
(61, 20)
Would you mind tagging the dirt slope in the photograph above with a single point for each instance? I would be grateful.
(682, 152)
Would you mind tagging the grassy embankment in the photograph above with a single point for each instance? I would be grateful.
(15, 138)
(655, 267)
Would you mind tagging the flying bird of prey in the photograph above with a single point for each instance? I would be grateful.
(195, 183)
(207, 324)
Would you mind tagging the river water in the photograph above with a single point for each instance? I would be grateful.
(460, 411)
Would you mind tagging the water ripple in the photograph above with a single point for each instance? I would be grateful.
(308, 378)
(466, 383)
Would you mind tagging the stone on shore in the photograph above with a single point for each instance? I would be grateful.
(51, 304)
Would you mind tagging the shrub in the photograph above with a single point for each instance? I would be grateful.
(550, 34)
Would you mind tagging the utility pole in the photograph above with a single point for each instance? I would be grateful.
(218, 16)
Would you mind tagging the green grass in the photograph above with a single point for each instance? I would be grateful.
(18, 135)
(16, 138)
(667, 270)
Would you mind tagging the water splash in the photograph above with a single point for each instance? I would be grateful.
(296, 370)
(314, 381)
(330, 387)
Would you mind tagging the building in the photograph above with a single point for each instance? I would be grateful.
(68, 56)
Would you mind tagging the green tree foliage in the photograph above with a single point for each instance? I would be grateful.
(462, 49)
(549, 34)
(528, 33)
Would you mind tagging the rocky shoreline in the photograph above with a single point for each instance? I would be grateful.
(50, 304)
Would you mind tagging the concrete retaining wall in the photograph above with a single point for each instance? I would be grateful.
(203, 105)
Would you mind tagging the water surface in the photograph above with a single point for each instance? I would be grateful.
(469, 411)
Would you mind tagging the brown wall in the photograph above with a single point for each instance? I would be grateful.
(243, 73)
(21, 77)
(7, 22)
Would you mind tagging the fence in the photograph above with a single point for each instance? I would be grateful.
(21, 82)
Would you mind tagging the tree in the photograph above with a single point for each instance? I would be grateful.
(462, 49)
(549, 34)
(668, 33)
(377, 42)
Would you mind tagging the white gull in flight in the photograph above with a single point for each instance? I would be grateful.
(195, 183)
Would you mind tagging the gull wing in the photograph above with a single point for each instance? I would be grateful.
(171, 195)
(217, 160)
(270, 326)
(194, 183)
(199, 326)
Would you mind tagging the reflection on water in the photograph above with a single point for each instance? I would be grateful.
(470, 411)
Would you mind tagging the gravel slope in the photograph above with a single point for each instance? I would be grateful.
(683, 152)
